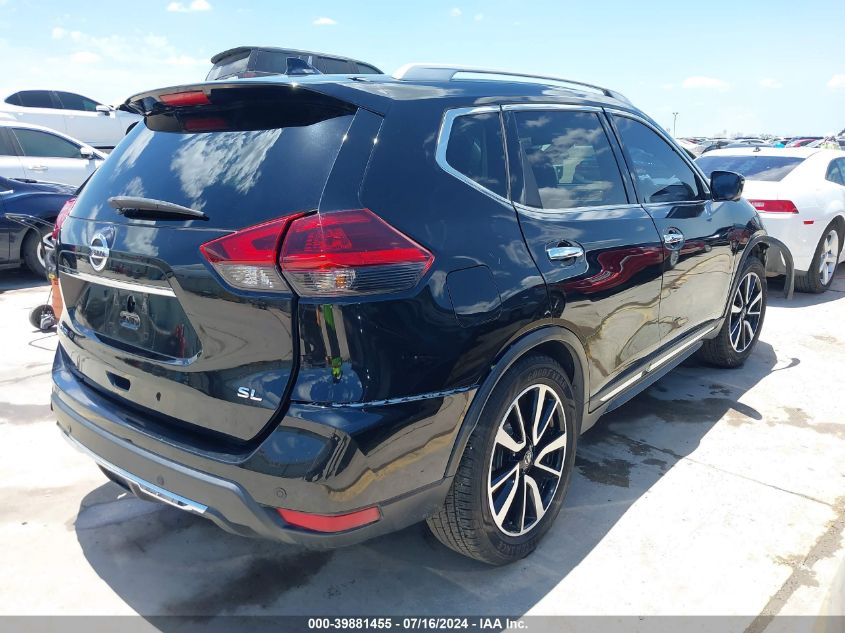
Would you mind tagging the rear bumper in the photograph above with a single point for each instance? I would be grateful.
(240, 495)
(800, 238)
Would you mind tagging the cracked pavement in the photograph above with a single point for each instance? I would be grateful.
(714, 492)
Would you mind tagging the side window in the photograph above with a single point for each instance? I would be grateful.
(476, 150)
(567, 160)
(367, 69)
(45, 145)
(14, 99)
(71, 101)
(6, 144)
(661, 174)
(36, 99)
(835, 173)
(334, 66)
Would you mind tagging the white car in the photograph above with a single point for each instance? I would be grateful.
(95, 124)
(799, 193)
(39, 153)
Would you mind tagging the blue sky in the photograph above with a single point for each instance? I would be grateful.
(746, 66)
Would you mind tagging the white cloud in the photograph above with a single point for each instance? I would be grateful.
(324, 22)
(837, 82)
(705, 83)
(478, 17)
(58, 33)
(194, 5)
(770, 83)
(84, 57)
(456, 12)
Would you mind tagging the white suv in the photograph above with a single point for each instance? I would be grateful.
(91, 122)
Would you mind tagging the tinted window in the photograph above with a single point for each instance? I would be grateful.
(476, 150)
(567, 160)
(768, 168)
(661, 174)
(267, 160)
(6, 147)
(36, 99)
(275, 62)
(333, 66)
(45, 145)
(366, 68)
(71, 101)
(229, 66)
(835, 172)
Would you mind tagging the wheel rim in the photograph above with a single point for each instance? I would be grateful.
(527, 462)
(41, 254)
(746, 311)
(829, 254)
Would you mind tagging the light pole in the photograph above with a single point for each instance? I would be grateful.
(674, 123)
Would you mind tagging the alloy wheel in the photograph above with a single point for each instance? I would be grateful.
(745, 312)
(527, 462)
(829, 255)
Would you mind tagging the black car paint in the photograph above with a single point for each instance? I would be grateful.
(41, 200)
(371, 401)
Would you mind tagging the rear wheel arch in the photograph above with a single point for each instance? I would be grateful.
(554, 341)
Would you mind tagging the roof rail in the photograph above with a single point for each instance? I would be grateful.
(447, 72)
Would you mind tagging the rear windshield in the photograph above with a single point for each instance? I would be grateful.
(768, 168)
(229, 66)
(263, 160)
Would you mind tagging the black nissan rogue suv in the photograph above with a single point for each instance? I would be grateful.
(325, 309)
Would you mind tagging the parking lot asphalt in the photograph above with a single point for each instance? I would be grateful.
(714, 492)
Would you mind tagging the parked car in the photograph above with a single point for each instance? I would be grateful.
(801, 141)
(260, 61)
(800, 195)
(20, 244)
(325, 309)
(39, 153)
(98, 125)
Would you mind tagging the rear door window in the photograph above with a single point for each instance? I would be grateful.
(275, 62)
(567, 160)
(45, 145)
(766, 168)
(334, 66)
(7, 147)
(836, 171)
(72, 101)
(661, 175)
(367, 69)
(230, 66)
(475, 151)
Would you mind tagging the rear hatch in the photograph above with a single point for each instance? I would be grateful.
(149, 319)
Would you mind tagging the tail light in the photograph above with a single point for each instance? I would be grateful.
(189, 98)
(341, 253)
(774, 206)
(350, 253)
(60, 219)
(247, 259)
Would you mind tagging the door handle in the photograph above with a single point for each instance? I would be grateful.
(673, 237)
(558, 253)
(38, 168)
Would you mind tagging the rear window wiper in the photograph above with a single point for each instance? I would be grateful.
(133, 207)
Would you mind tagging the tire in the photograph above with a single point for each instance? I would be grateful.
(466, 522)
(33, 253)
(734, 343)
(823, 266)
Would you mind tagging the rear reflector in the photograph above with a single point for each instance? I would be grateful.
(60, 219)
(247, 259)
(774, 206)
(192, 98)
(350, 253)
(330, 522)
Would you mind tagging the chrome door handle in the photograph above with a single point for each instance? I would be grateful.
(672, 237)
(557, 253)
(38, 168)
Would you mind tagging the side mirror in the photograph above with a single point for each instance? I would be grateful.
(726, 185)
(86, 151)
(104, 109)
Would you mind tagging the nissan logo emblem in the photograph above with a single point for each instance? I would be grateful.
(99, 254)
